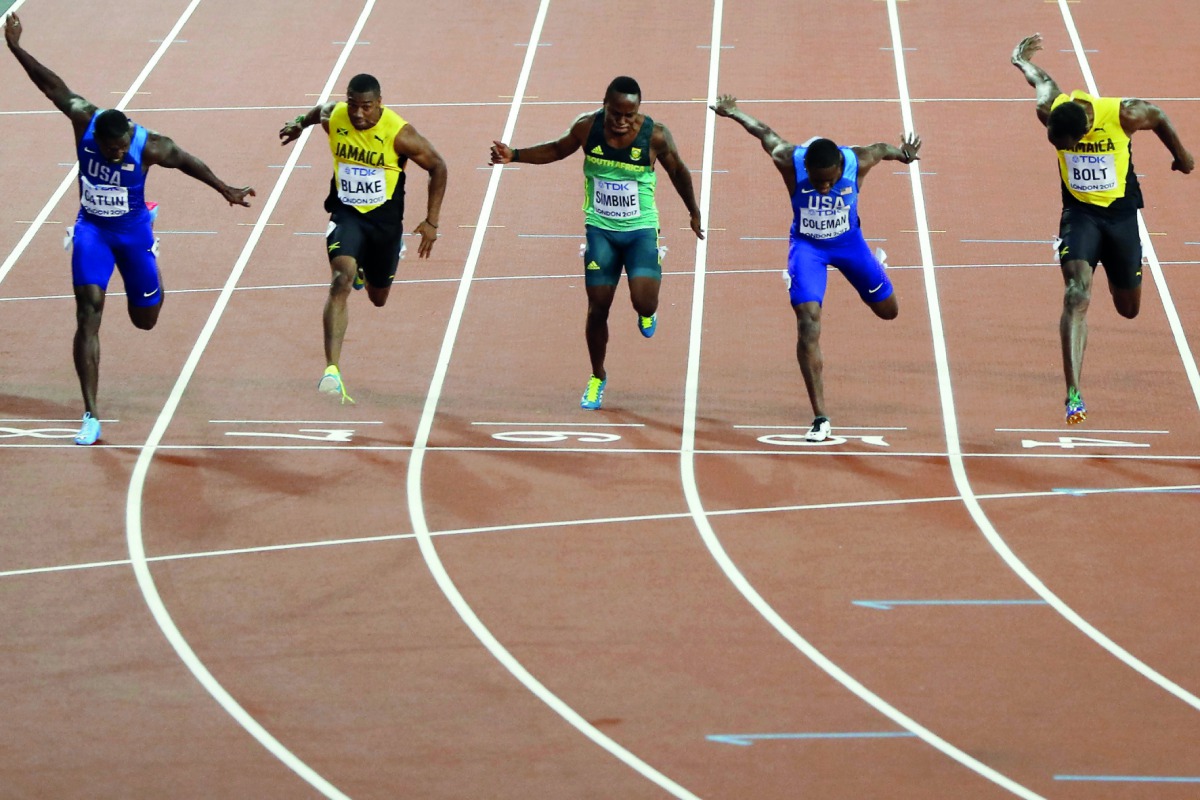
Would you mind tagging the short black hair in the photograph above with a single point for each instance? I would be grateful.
(111, 124)
(623, 84)
(822, 153)
(1067, 121)
(364, 84)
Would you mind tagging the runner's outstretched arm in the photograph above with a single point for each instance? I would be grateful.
(162, 151)
(872, 154)
(778, 148)
(1037, 77)
(48, 83)
(546, 152)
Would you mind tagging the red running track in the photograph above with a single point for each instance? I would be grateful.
(595, 551)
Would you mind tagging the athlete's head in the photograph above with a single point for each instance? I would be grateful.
(622, 99)
(1068, 123)
(113, 134)
(364, 102)
(824, 164)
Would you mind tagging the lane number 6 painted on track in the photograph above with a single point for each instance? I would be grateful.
(551, 437)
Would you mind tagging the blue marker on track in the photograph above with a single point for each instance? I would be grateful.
(747, 739)
(888, 605)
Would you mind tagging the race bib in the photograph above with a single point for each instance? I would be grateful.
(824, 223)
(104, 201)
(616, 199)
(1087, 172)
(361, 186)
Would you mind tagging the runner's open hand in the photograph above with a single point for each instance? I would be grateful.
(725, 106)
(290, 132)
(909, 145)
(237, 196)
(1026, 48)
(428, 235)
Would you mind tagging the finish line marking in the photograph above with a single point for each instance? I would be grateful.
(293, 422)
(574, 424)
(748, 739)
(1072, 430)
(1129, 778)
(510, 528)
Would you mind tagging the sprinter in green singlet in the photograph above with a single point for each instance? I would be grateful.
(621, 146)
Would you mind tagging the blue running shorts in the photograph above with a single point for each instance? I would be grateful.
(808, 274)
(132, 250)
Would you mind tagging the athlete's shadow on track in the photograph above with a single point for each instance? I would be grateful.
(14, 406)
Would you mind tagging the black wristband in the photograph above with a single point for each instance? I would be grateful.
(430, 224)
(516, 155)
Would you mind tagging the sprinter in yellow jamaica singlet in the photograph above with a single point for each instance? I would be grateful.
(370, 145)
(1101, 198)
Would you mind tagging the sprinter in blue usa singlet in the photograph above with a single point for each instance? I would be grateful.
(113, 228)
(823, 181)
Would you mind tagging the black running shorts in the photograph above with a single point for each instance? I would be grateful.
(1108, 239)
(375, 247)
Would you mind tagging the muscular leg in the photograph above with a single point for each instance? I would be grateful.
(378, 295)
(1127, 301)
(89, 307)
(886, 309)
(600, 300)
(336, 316)
(644, 294)
(146, 317)
(808, 353)
(1073, 326)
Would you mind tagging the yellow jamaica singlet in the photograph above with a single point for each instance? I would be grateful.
(1098, 171)
(366, 169)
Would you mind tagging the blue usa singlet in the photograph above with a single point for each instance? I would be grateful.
(112, 194)
(825, 217)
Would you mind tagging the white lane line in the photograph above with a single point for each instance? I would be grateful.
(105, 421)
(1160, 281)
(806, 449)
(806, 427)
(1075, 431)
(416, 501)
(294, 422)
(573, 424)
(581, 523)
(692, 493)
(69, 180)
(582, 103)
(989, 531)
(958, 463)
(571, 277)
(133, 504)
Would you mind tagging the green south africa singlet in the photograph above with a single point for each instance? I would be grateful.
(619, 182)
